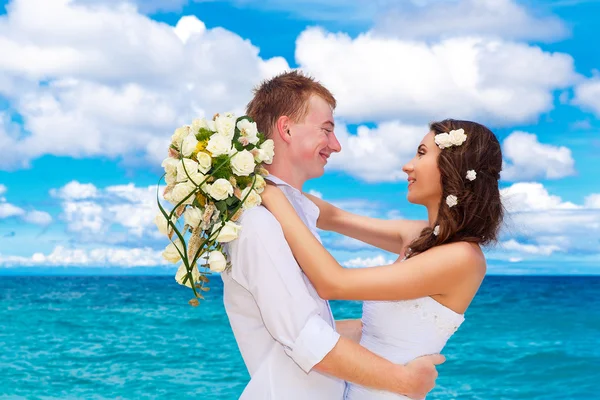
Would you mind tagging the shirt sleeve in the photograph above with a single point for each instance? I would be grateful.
(264, 264)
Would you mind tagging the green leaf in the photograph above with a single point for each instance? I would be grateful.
(203, 134)
(244, 181)
(221, 206)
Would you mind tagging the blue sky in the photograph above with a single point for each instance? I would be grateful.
(91, 90)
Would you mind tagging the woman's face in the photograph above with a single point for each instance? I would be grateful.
(424, 179)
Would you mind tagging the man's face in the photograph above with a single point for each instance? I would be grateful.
(313, 140)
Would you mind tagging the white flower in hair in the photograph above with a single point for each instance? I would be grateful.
(436, 230)
(471, 175)
(458, 137)
(453, 138)
(443, 140)
(451, 200)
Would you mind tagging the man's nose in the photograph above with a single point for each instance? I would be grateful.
(334, 143)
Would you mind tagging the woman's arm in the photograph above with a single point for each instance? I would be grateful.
(430, 273)
(389, 235)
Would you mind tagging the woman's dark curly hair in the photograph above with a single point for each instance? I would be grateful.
(479, 213)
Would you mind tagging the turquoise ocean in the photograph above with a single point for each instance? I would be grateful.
(132, 337)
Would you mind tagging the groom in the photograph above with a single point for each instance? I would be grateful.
(285, 331)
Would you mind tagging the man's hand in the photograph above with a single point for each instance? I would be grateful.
(421, 375)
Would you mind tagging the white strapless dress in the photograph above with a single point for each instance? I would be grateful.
(401, 331)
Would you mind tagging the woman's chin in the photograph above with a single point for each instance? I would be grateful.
(413, 199)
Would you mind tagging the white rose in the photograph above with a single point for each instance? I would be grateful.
(198, 124)
(267, 151)
(179, 135)
(252, 200)
(471, 175)
(443, 140)
(204, 162)
(228, 233)
(242, 164)
(220, 189)
(181, 191)
(191, 169)
(436, 230)
(260, 184)
(189, 145)
(182, 273)
(248, 130)
(457, 137)
(217, 261)
(193, 216)
(451, 200)
(162, 223)
(218, 145)
(171, 254)
(225, 125)
(170, 166)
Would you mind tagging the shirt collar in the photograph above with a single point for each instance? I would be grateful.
(308, 207)
(279, 181)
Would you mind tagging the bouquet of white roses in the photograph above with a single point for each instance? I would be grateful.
(213, 172)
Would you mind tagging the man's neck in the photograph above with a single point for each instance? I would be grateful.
(287, 173)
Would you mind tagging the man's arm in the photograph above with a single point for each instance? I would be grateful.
(269, 271)
(351, 362)
(349, 328)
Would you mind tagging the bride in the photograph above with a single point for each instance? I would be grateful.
(413, 306)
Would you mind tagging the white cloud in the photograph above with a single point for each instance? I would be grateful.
(500, 18)
(592, 201)
(532, 196)
(315, 193)
(84, 216)
(37, 217)
(335, 241)
(527, 158)
(92, 80)
(144, 6)
(378, 154)
(377, 79)
(96, 213)
(138, 214)
(546, 250)
(75, 191)
(548, 223)
(368, 261)
(369, 208)
(587, 95)
(8, 210)
(98, 257)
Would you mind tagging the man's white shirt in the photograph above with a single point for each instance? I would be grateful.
(281, 325)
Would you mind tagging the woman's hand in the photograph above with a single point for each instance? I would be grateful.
(272, 196)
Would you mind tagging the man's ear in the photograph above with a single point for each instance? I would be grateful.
(282, 128)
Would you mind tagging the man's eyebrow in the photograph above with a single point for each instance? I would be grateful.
(329, 122)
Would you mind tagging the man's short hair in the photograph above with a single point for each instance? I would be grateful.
(286, 94)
